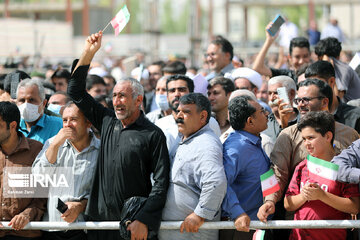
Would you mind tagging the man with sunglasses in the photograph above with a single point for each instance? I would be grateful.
(288, 151)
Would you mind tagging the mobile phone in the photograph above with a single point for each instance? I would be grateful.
(282, 93)
(61, 206)
(277, 22)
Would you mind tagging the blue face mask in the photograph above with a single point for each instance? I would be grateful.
(54, 108)
(162, 102)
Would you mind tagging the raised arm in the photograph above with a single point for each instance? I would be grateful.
(259, 63)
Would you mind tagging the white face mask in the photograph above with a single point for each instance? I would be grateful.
(29, 112)
(162, 102)
(54, 108)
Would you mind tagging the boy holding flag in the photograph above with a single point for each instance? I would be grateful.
(313, 191)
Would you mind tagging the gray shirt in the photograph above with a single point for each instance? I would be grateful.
(349, 163)
(197, 183)
(83, 164)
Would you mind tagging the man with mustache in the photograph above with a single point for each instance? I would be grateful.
(177, 86)
(313, 95)
(197, 178)
(281, 115)
(132, 148)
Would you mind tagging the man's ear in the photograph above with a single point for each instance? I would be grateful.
(328, 136)
(13, 125)
(325, 104)
(44, 102)
(203, 116)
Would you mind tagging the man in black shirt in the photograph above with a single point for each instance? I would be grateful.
(131, 149)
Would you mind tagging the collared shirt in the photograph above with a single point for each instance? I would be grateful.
(289, 151)
(273, 130)
(349, 163)
(83, 164)
(127, 157)
(170, 128)
(346, 80)
(155, 115)
(348, 115)
(23, 156)
(197, 182)
(45, 128)
(226, 70)
(244, 162)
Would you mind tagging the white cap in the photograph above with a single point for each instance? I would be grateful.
(251, 75)
(136, 72)
(98, 71)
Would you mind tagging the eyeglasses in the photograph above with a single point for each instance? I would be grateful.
(212, 54)
(306, 100)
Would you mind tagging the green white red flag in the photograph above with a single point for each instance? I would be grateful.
(120, 20)
(269, 184)
(259, 235)
(322, 171)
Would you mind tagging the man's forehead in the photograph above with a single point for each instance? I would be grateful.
(71, 111)
(308, 90)
(122, 87)
(177, 83)
(33, 90)
(216, 87)
(189, 106)
(214, 47)
(298, 50)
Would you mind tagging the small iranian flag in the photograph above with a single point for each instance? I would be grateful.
(259, 235)
(269, 184)
(120, 20)
(321, 171)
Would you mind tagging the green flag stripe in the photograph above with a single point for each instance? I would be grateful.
(267, 175)
(323, 163)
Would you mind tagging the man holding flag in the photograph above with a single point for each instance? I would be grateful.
(244, 162)
(313, 191)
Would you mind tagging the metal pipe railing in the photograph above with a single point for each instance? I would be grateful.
(278, 224)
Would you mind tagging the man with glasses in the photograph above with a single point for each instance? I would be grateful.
(219, 56)
(313, 95)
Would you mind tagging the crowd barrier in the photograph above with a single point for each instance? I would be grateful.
(278, 224)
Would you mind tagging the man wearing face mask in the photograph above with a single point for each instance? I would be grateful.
(35, 124)
(161, 101)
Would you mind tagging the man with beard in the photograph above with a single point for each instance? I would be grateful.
(288, 152)
(132, 148)
(177, 86)
(281, 115)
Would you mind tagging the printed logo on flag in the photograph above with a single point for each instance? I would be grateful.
(269, 184)
(120, 20)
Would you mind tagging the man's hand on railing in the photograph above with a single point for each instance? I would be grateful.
(19, 221)
(242, 223)
(139, 231)
(265, 210)
(192, 223)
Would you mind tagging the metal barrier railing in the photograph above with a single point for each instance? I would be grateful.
(278, 224)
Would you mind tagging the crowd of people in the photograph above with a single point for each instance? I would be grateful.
(190, 145)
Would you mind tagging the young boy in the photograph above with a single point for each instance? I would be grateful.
(320, 199)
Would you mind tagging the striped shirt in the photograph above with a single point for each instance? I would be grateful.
(83, 164)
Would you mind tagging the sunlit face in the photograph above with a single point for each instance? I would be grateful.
(124, 103)
(260, 117)
(154, 75)
(315, 101)
(58, 99)
(218, 98)
(216, 58)
(175, 90)
(74, 119)
(243, 83)
(262, 94)
(299, 57)
(60, 84)
(189, 120)
(273, 95)
(161, 87)
(4, 132)
(30, 94)
(315, 143)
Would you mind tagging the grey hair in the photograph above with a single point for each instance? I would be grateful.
(242, 92)
(286, 82)
(32, 82)
(137, 88)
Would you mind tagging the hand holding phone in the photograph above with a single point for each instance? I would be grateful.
(61, 206)
(276, 24)
(282, 93)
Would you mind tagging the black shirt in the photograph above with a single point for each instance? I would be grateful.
(348, 115)
(126, 159)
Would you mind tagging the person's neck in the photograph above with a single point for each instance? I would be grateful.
(167, 112)
(328, 155)
(222, 119)
(10, 145)
(83, 143)
(30, 124)
(131, 119)
(334, 104)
